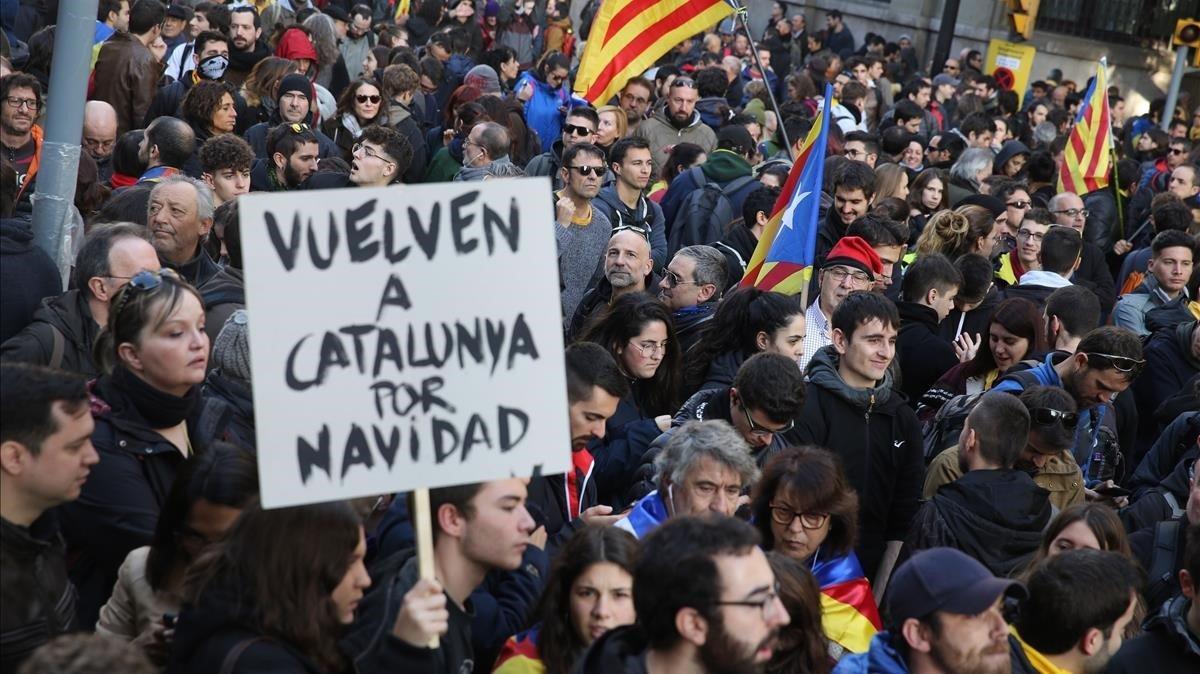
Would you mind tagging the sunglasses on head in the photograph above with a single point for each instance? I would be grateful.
(1044, 416)
(589, 170)
(641, 231)
(143, 281)
(1118, 363)
(363, 98)
(575, 130)
(683, 82)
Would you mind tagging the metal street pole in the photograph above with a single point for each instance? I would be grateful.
(1181, 55)
(55, 190)
(941, 51)
(742, 12)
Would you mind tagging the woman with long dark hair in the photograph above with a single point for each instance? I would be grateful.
(927, 196)
(359, 107)
(1015, 333)
(806, 509)
(153, 352)
(589, 592)
(210, 109)
(803, 648)
(747, 321)
(277, 592)
(210, 492)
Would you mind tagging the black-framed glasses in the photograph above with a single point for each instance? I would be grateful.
(1026, 234)
(1073, 212)
(1045, 416)
(764, 605)
(762, 431)
(576, 130)
(785, 516)
(675, 280)
(1119, 363)
(369, 151)
(641, 231)
(683, 82)
(363, 98)
(18, 103)
(143, 281)
(587, 171)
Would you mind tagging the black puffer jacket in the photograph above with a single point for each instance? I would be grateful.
(67, 315)
(995, 516)
(923, 355)
(37, 600)
(878, 438)
(118, 508)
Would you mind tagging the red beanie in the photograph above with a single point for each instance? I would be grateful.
(853, 251)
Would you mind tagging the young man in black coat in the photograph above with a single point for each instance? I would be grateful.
(929, 288)
(852, 409)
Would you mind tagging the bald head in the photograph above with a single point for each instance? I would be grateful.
(627, 260)
(1067, 209)
(99, 129)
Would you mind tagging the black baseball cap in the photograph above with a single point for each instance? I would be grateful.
(180, 12)
(945, 579)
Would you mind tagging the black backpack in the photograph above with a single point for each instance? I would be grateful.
(942, 431)
(706, 214)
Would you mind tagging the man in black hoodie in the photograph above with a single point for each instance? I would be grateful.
(852, 409)
(929, 288)
(993, 513)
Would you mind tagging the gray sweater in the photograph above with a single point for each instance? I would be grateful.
(580, 252)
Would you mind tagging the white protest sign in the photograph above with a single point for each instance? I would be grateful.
(403, 337)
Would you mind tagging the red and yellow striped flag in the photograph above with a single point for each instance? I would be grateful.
(1087, 158)
(628, 36)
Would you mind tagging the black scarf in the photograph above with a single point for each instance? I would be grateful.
(243, 61)
(159, 408)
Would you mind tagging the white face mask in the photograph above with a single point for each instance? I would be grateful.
(213, 67)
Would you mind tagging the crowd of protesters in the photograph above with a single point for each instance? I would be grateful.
(974, 449)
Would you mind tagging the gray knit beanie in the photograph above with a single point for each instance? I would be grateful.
(231, 351)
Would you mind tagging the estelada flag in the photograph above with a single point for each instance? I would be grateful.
(788, 244)
(628, 36)
(1087, 158)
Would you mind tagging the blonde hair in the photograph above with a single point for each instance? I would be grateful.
(622, 120)
(956, 233)
(888, 179)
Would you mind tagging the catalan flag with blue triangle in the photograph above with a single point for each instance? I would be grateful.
(788, 245)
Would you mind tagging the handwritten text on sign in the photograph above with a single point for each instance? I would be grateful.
(403, 337)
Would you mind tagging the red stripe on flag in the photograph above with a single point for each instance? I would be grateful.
(642, 43)
(856, 593)
(751, 276)
(778, 274)
(789, 186)
(636, 7)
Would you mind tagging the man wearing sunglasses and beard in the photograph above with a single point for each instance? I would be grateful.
(581, 232)
(1105, 363)
(579, 128)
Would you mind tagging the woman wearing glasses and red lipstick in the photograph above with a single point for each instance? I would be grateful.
(153, 352)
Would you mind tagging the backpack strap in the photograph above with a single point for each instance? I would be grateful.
(236, 652)
(736, 184)
(58, 349)
(697, 174)
(1161, 569)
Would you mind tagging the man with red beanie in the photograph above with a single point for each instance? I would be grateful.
(851, 265)
(852, 409)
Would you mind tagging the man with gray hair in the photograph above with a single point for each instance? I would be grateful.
(691, 287)
(65, 327)
(485, 153)
(702, 471)
(180, 218)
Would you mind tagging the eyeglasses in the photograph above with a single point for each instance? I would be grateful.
(1073, 212)
(1019, 204)
(854, 153)
(764, 605)
(18, 103)
(1119, 363)
(363, 98)
(369, 151)
(575, 130)
(839, 274)
(143, 281)
(785, 516)
(650, 349)
(683, 82)
(642, 231)
(762, 431)
(1177, 150)
(587, 171)
(1044, 416)
(675, 280)
(298, 127)
(1026, 234)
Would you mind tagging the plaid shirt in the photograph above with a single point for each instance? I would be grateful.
(818, 333)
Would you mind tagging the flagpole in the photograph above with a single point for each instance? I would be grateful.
(741, 12)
